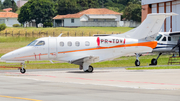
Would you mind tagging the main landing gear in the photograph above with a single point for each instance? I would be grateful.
(22, 70)
(137, 62)
(89, 69)
(154, 61)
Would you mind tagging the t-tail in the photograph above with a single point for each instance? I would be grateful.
(149, 28)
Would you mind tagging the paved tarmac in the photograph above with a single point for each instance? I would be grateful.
(112, 84)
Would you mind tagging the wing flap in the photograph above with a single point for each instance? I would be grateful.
(89, 59)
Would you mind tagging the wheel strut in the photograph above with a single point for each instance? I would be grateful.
(22, 69)
(137, 62)
(154, 61)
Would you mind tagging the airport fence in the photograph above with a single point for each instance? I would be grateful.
(46, 34)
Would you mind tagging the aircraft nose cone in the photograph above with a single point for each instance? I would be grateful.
(5, 57)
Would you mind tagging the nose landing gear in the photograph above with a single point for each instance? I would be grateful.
(22, 70)
(154, 61)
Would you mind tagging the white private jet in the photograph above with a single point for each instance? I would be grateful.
(84, 51)
(167, 42)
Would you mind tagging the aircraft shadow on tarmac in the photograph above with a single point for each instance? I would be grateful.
(82, 72)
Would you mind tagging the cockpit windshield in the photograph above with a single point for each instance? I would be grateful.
(32, 43)
(40, 43)
(158, 37)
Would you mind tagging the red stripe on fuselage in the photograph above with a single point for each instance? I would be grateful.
(98, 41)
(151, 44)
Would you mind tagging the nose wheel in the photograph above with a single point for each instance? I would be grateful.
(22, 70)
(154, 62)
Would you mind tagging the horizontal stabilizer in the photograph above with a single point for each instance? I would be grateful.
(149, 28)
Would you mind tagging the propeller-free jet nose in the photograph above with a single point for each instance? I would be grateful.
(6, 57)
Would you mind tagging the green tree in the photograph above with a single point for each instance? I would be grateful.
(8, 4)
(93, 4)
(86, 4)
(67, 7)
(1, 5)
(3, 26)
(123, 2)
(133, 12)
(42, 11)
(24, 15)
(115, 6)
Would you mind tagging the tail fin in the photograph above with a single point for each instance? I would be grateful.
(150, 27)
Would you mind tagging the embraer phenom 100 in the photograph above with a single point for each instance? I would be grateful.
(84, 51)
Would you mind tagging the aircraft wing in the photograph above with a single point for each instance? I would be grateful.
(89, 59)
(174, 33)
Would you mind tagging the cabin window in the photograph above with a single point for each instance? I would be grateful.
(32, 43)
(87, 43)
(61, 44)
(72, 20)
(40, 43)
(169, 38)
(77, 43)
(164, 39)
(69, 43)
(158, 37)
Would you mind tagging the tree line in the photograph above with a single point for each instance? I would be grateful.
(42, 11)
(8, 4)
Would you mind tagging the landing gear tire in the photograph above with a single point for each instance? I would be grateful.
(137, 63)
(23, 70)
(90, 70)
(153, 62)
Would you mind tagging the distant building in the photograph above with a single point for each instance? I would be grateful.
(9, 18)
(100, 17)
(20, 3)
(7, 9)
(163, 6)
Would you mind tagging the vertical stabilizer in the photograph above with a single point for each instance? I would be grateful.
(150, 27)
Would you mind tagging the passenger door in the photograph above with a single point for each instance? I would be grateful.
(52, 48)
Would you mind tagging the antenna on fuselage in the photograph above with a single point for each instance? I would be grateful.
(60, 35)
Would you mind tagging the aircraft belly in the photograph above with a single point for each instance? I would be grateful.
(103, 54)
(162, 50)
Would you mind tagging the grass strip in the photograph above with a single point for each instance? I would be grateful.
(124, 61)
(152, 68)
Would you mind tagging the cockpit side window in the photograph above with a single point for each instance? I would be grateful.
(32, 43)
(169, 38)
(158, 37)
(40, 43)
(164, 39)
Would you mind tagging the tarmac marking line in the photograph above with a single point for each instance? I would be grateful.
(122, 81)
(19, 98)
(31, 74)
